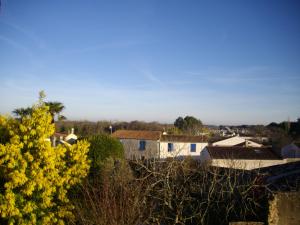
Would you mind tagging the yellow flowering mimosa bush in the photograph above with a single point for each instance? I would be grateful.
(35, 177)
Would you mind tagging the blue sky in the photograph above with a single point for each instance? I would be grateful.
(224, 62)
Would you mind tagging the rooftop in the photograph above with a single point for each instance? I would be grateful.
(60, 134)
(183, 138)
(238, 152)
(137, 134)
(157, 135)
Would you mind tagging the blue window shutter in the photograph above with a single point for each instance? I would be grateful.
(193, 147)
(170, 147)
(142, 145)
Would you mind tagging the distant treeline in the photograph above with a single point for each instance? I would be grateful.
(87, 128)
(291, 128)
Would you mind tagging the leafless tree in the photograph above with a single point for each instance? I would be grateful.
(172, 192)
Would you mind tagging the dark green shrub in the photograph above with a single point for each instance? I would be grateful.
(103, 146)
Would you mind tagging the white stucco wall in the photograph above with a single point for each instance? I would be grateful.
(236, 141)
(180, 149)
(204, 156)
(245, 164)
(71, 136)
(252, 144)
(242, 163)
(132, 151)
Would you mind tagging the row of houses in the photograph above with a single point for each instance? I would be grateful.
(155, 144)
(236, 152)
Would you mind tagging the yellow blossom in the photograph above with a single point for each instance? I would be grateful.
(37, 176)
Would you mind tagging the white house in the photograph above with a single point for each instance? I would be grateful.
(237, 141)
(154, 144)
(139, 144)
(71, 137)
(227, 132)
(181, 145)
(239, 157)
(64, 138)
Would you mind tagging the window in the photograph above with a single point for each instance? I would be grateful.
(142, 145)
(170, 147)
(193, 147)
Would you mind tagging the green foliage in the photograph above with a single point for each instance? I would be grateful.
(20, 112)
(55, 108)
(102, 147)
(174, 131)
(35, 177)
(189, 125)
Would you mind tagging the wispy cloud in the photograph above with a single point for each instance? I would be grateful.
(39, 42)
(30, 57)
(242, 75)
(151, 77)
(16, 45)
(101, 46)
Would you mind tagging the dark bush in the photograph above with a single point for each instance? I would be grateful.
(103, 146)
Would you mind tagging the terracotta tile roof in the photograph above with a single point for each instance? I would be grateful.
(57, 134)
(183, 138)
(237, 152)
(137, 134)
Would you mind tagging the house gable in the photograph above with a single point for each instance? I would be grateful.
(237, 141)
